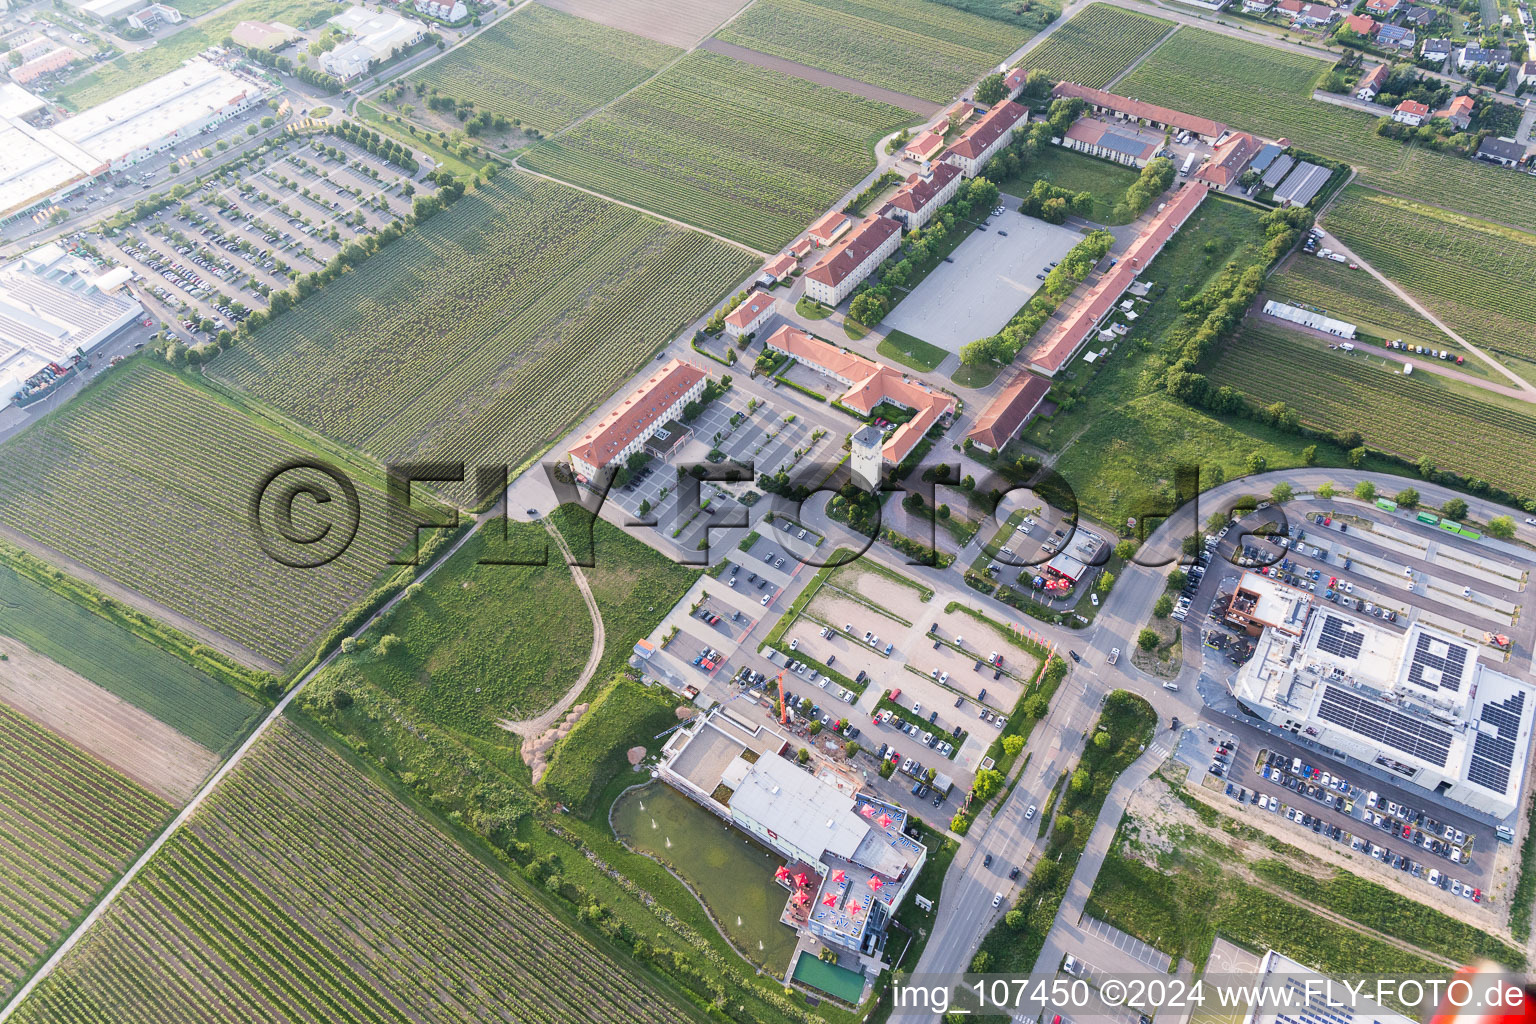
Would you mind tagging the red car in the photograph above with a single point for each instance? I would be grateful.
(1477, 895)
(1407, 831)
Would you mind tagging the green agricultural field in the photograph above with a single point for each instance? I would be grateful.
(1069, 169)
(303, 891)
(1475, 276)
(1266, 90)
(490, 329)
(1097, 44)
(133, 69)
(148, 477)
(917, 47)
(543, 68)
(69, 825)
(1456, 425)
(194, 704)
(1359, 298)
(473, 644)
(746, 152)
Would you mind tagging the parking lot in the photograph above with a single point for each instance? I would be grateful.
(984, 283)
(1016, 556)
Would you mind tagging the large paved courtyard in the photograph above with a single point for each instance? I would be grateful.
(991, 277)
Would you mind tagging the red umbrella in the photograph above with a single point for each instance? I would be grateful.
(875, 883)
(830, 899)
(838, 876)
(885, 821)
(854, 908)
(867, 810)
(782, 873)
(800, 899)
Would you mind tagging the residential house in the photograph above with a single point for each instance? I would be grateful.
(1009, 412)
(1458, 112)
(1305, 15)
(1146, 113)
(829, 228)
(624, 431)
(1368, 86)
(850, 261)
(1014, 82)
(1507, 152)
(1419, 17)
(1469, 57)
(915, 203)
(1228, 160)
(1259, 7)
(984, 138)
(777, 269)
(1101, 139)
(1382, 8)
(1362, 25)
(926, 146)
(1526, 75)
(1396, 36)
(1410, 112)
(960, 112)
(753, 312)
(1437, 51)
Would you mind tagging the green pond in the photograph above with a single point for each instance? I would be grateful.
(731, 873)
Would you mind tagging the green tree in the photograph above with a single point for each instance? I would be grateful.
(1101, 740)
(988, 781)
(1407, 498)
(1357, 456)
(1309, 454)
(1177, 579)
(1036, 705)
(1365, 490)
(1012, 744)
(1163, 606)
(1327, 490)
(1426, 467)
(1501, 526)
(991, 89)
(1282, 492)
(1125, 549)
(1080, 780)
(803, 756)
(1147, 639)
(1454, 509)
(1256, 463)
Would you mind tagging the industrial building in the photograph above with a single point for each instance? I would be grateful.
(1307, 318)
(848, 861)
(55, 309)
(1417, 705)
(376, 37)
(653, 407)
(41, 165)
(1286, 992)
(1303, 184)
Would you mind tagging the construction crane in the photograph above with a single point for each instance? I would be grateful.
(783, 705)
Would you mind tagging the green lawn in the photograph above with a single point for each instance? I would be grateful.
(975, 376)
(122, 663)
(625, 714)
(910, 351)
(421, 140)
(1069, 169)
(1262, 89)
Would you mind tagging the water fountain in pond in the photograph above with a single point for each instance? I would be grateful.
(669, 842)
(653, 824)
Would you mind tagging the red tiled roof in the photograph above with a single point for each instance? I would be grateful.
(1374, 79)
(1364, 24)
(918, 191)
(638, 413)
(925, 146)
(1015, 79)
(752, 307)
(823, 230)
(1412, 107)
(1065, 340)
(1091, 131)
(1008, 411)
(873, 383)
(997, 122)
(780, 265)
(1136, 108)
(1229, 159)
(844, 257)
(1462, 105)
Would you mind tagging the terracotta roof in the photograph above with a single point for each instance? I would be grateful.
(1377, 75)
(1008, 411)
(780, 265)
(1462, 105)
(844, 257)
(752, 307)
(925, 146)
(638, 414)
(1065, 340)
(1363, 24)
(829, 225)
(997, 122)
(918, 191)
(1015, 79)
(962, 109)
(1094, 132)
(1228, 160)
(1411, 107)
(1136, 108)
(873, 383)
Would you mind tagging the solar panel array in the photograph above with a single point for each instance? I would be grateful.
(1377, 721)
(1338, 639)
(1493, 757)
(1449, 666)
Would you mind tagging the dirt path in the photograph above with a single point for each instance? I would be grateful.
(146, 750)
(138, 602)
(917, 105)
(1137, 62)
(539, 734)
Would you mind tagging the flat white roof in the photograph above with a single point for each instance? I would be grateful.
(17, 102)
(142, 116)
(805, 811)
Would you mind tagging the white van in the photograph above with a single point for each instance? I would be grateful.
(1371, 798)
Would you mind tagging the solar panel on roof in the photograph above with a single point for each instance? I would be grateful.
(1437, 664)
(1493, 756)
(1339, 639)
(1377, 721)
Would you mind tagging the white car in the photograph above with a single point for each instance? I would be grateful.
(997, 899)
(765, 600)
(1114, 655)
(1029, 815)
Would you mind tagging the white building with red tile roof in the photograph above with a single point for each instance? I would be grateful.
(624, 430)
(850, 261)
(1459, 112)
(1066, 340)
(1009, 411)
(984, 138)
(915, 203)
(1410, 112)
(1228, 160)
(1014, 82)
(925, 147)
(1369, 85)
(1135, 110)
(753, 312)
(829, 228)
(777, 269)
(869, 384)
